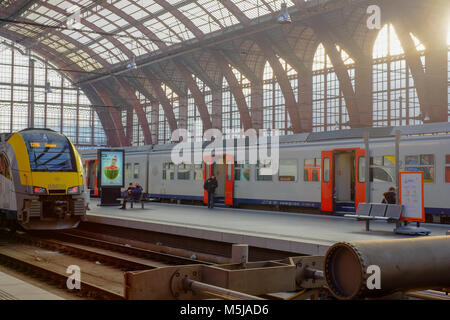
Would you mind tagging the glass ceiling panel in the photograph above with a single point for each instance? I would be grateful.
(208, 15)
(252, 8)
(216, 9)
(179, 28)
(200, 18)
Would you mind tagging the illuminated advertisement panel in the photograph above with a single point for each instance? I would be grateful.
(111, 168)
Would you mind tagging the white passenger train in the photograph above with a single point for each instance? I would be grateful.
(324, 170)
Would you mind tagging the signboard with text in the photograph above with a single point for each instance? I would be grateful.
(412, 196)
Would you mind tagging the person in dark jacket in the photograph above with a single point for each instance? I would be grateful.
(137, 191)
(210, 186)
(390, 196)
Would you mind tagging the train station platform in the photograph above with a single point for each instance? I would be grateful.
(294, 232)
(12, 288)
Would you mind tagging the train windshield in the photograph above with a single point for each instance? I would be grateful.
(48, 151)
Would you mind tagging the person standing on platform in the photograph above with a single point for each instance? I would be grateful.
(210, 186)
(390, 197)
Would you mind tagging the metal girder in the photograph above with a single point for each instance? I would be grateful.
(60, 62)
(142, 118)
(430, 82)
(229, 281)
(235, 60)
(235, 88)
(340, 69)
(283, 81)
(414, 63)
(199, 98)
(177, 14)
(199, 72)
(19, 8)
(167, 74)
(92, 26)
(285, 51)
(277, 68)
(163, 100)
(112, 134)
(115, 116)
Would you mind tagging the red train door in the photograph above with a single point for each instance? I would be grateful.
(327, 184)
(360, 182)
(229, 177)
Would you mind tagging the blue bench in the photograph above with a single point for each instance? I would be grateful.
(367, 212)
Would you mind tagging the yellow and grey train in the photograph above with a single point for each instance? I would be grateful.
(41, 181)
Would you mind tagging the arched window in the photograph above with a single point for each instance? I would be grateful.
(231, 118)
(194, 121)
(395, 100)
(275, 115)
(58, 104)
(138, 134)
(329, 109)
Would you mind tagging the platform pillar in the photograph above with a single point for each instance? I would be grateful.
(239, 253)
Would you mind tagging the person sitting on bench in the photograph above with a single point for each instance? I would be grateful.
(127, 195)
(390, 196)
(137, 192)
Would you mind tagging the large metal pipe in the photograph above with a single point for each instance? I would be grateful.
(404, 264)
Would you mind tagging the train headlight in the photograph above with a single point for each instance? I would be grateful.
(39, 190)
(74, 190)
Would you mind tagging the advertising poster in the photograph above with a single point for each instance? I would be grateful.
(111, 168)
(411, 196)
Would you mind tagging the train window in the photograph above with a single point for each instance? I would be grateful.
(326, 170)
(447, 168)
(427, 159)
(229, 167)
(382, 169)
(242, 171)
(411, 160)
(362, 169)
(311, 170)
(127, 171)
(288, 170)
(426, 165)
(136, 171)
(184, 172)
(198, 172)
(263, 171)
(5, 170)
(168, 171)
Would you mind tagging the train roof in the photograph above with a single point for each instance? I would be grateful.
(440, 128)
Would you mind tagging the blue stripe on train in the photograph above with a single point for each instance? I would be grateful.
(305, 204)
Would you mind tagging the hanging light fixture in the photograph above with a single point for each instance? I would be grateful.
(284, 17)
(132, 63)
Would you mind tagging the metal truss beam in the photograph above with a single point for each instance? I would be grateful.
(235, 88)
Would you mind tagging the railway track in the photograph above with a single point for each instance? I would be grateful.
(102, 263)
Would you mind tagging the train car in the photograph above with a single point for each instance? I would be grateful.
(324, 171)
(42, 181)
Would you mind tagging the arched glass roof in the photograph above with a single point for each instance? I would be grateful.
(89, 35)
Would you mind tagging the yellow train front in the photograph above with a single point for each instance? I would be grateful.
(41, 181)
